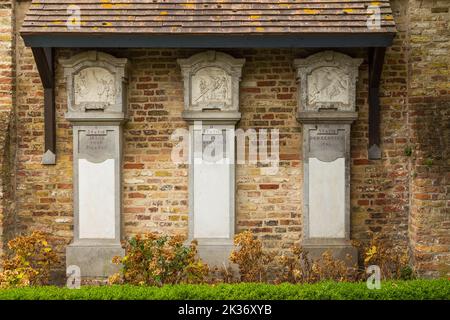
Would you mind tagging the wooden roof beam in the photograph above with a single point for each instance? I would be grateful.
(376, 59)
(44, 62)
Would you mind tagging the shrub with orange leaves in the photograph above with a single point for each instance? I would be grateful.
(157, 260)
(250, 258)
(393, 261)
(222, 274)
(29, 261)
(329, 268)
(298, 267)
(295, 266)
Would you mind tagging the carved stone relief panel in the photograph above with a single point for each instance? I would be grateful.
(96, 85)
(328, 85)
(211, 81)
(327, 81)
(95, 89)
(211, 88)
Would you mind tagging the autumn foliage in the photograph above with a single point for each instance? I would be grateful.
(157, 260)
(393, 262)
(29, 261)
(296, 265)
(250, 258)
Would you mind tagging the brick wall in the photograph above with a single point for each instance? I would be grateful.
(380, 188)
(404, 198)
(429, 109)
(155, 191)
(270, 205)
(43, 193)
(7, 71)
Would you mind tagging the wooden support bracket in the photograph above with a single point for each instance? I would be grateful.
(376, 59)
(44, 62)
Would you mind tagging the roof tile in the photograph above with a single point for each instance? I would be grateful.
(207, 17)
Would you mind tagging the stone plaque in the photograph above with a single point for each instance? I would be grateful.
(327, 81)
(211, 89)
(94, 88)
(96, 199)
(214, 145)
(96, 102)
(96, 143)
(211, 98)
(211, 81)
(213, 209)
(212, 191)
(327, 85)
(327, 142)
(326, 109)
(326, 198)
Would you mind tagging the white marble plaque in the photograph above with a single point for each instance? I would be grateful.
(326, 198)
(212, 185)
(212, 200)
(96, 192)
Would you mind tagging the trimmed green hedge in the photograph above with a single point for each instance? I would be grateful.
(397, 290)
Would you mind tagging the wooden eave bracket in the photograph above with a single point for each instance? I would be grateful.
(45, 65)
(376, 59)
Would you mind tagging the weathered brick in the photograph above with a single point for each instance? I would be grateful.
(403, 198)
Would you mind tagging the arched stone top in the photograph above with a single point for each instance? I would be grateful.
(211, 81)
(327, 81)
(96, 84)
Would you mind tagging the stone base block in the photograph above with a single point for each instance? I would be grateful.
(215, 255)
(95, 261)
(338, 251)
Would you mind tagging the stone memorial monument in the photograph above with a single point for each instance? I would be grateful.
(211, 97)
(326, 110)
(97, 99)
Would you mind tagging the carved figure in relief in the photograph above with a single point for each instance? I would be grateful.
(328, 84)
(212, 88)
(94, 85)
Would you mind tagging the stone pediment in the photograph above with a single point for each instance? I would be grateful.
(327, 82)
(211, 81)
(96, 84)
